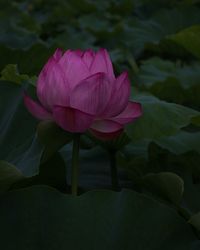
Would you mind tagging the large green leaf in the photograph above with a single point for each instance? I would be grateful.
(45, 219)
(160, 119)
(18, 143)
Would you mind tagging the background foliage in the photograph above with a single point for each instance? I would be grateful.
(158, 156)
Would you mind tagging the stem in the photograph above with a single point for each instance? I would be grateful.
(75, 164)
(113, 171)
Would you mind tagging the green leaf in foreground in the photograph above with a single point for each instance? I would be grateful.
(96, 220)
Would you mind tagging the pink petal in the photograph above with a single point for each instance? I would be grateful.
(92, 94)
(120, 96)
(88, 57)
(78, 52)
(131, 113)
(74, 68)
(72, 120)
(105, 136)
(58, 54)
(41, 82)
(36, 109)
(50, 63)
(52, 88)
(106, 126)
(102, 63)
(106, 129)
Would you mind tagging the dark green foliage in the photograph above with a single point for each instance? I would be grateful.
(158, 156)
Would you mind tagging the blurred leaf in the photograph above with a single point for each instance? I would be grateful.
(170, 81)
(159, 119)
(195, 221)
(192, 189)
(115, 144)
(29, 61)
(59, 220)
(51, 173)
(17, 38)
(18, 144)
(71, 39)
(93, 22)
(167, 185)
(86, 142)
(189, 39)
(140, 33)
(52, 137)
(181, 143)
(156, 70)
(10, 73)
(173, 82)
(13, 35)
(136, 149)
(9, 174)
(94, 168)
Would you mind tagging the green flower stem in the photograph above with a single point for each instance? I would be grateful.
(75, 164)
(113, 171)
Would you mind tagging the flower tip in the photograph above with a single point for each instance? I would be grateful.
(59, 50)
(104, 51)
(58, 54)
(138, 109)
(125, 74)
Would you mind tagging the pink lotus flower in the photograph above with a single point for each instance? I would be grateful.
(79, 91)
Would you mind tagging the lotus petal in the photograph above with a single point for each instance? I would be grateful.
(72, 120)
(36, 109)
(131, 113)
(102, 63)
(92, 94)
